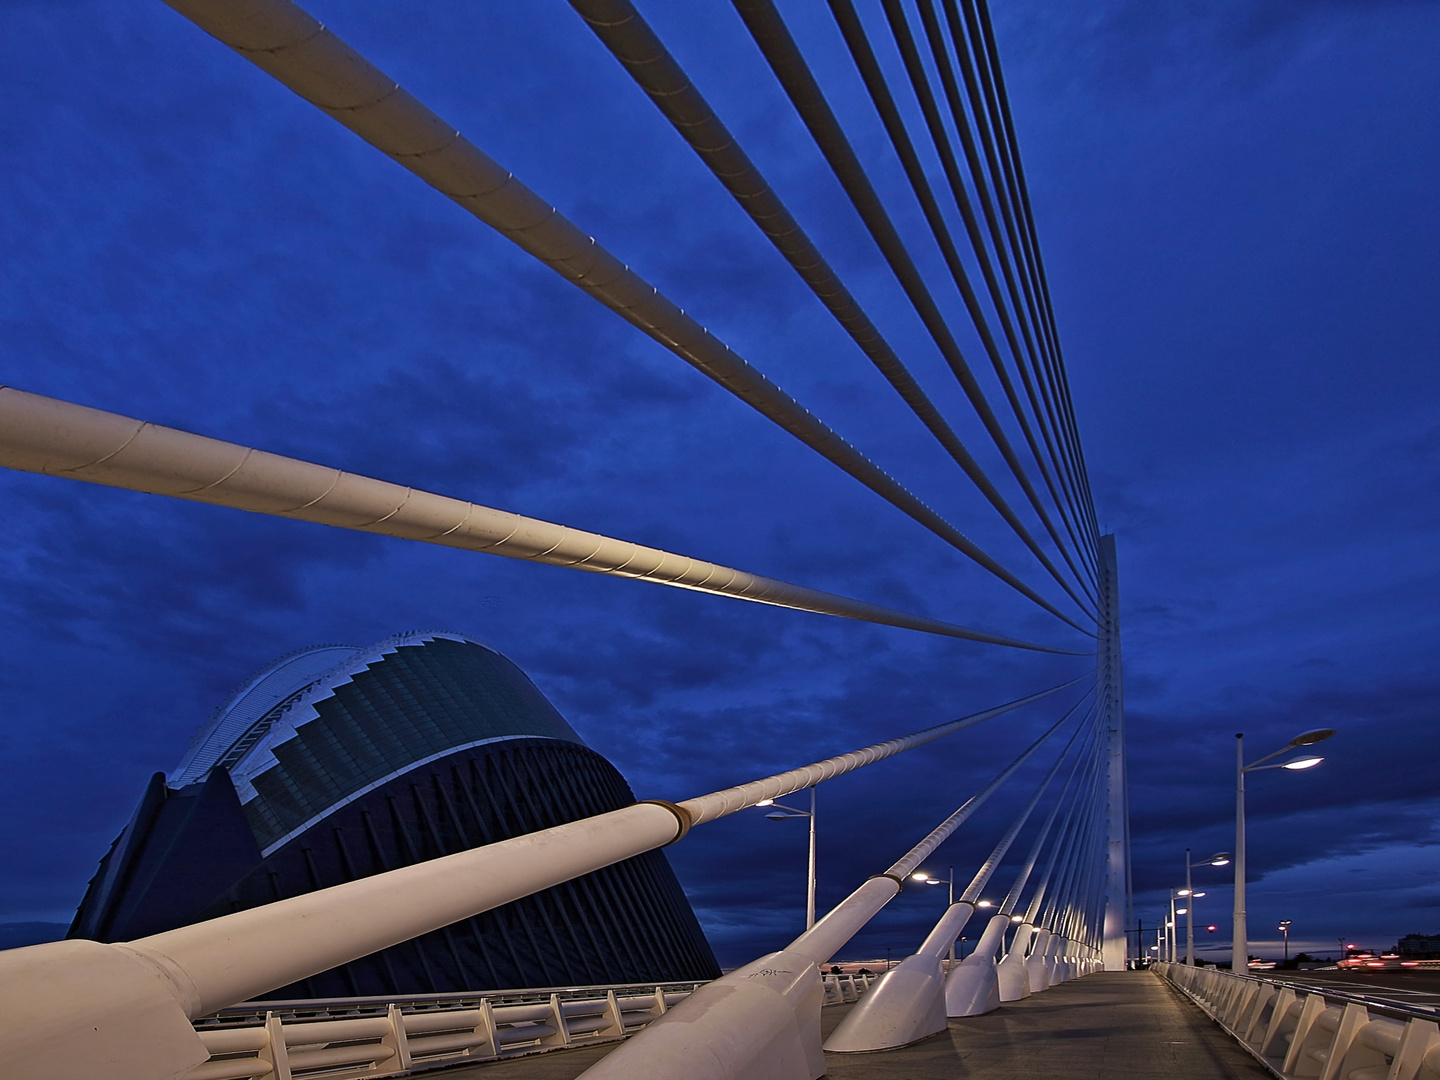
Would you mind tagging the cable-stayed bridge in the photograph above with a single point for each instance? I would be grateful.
(970, 270)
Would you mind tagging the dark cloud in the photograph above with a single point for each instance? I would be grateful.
(1240, 237)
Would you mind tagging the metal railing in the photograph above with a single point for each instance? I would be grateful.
(1299, 1031)
(349, 1038)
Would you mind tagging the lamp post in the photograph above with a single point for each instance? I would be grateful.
(1221, 858)
(1285, 929)
(1240, 948)
(780, 814)
(947, 881)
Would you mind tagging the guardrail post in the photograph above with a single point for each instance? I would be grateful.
(1309, 1013)
(1239, 1005)
(613, 1014)
(1231, 1004)
(396, 1041)
(1351, 1021)
(1279, 1015)
(1264, 997)
(658, 1009)
(275, 1050)
(561, 1038)
(1419, 1038)
(490, 1048)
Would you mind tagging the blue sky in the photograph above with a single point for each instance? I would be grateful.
(1236, 206)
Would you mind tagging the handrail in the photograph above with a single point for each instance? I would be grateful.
(353, 1006)
(1299, 1029)
(391, 1036)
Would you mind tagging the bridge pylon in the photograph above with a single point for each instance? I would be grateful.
(1110, 687)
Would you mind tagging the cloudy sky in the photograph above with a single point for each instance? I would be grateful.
(1236, 203)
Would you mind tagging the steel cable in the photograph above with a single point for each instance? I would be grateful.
(1036, 389)
(877, 86)
(785, 59)
(289, 44)
(645, 58)
(987, 59)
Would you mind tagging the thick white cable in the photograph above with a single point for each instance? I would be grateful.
(957, 915)
(44, 435)
(1002, 847)
(844, 921)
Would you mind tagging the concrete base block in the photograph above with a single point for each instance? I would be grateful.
(905, 1006)
(973, 989)
(80, 1010)
(760, 1022)
(1013, 976)
(1038, 973)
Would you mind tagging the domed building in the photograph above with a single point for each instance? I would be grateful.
(336, 763)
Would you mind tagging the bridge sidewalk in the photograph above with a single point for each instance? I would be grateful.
(1120, 1026)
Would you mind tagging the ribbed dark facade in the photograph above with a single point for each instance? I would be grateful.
(431, 746)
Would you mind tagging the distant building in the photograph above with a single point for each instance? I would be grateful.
(337, 763)
(1419, 946)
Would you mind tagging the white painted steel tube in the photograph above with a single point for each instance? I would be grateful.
(311, 933)
(58, 438)
(295, 49)
(852, 913)
(911, 1002)
(762, 1021)
(844, 920)
(940, 939)
(146, 989)
(237, 957)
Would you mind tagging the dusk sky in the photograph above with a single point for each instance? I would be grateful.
(1237, 203)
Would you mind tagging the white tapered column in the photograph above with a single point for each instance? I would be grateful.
(1117, 833)
(1012, 972)
(908, 1003)
(973, 988)
(1039, 973)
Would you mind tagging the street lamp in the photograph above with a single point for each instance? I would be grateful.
(1285, 929)
(782, 813)
(1240, 948)
(950, 890)
(1220, 858)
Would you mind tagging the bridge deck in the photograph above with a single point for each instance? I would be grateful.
(1103, 1027)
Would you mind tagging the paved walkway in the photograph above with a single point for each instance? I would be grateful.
(1123, 1026)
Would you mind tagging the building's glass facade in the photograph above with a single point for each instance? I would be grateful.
(423, 746)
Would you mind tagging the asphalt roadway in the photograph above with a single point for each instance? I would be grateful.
(1417, 989)
(1103, 1027)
